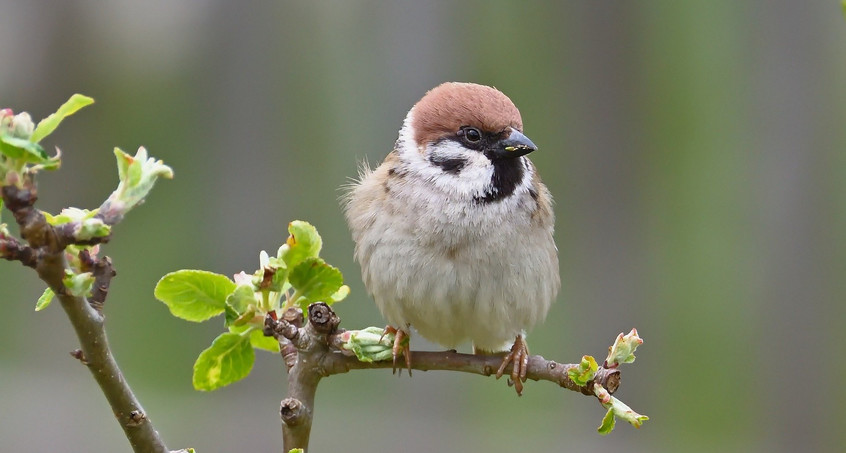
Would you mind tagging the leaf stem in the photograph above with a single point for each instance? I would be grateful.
(265, 300)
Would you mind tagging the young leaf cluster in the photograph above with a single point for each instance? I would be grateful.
(622, 351)
(137, 176)
(20, 151)
(295, 277)
(22, 156)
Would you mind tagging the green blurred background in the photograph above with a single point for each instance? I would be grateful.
(696, 151)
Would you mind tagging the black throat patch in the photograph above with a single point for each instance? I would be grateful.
(507, 175)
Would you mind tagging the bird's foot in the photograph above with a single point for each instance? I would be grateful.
(401, 346)
(519, 357)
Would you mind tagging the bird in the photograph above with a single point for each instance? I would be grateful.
(453, 231)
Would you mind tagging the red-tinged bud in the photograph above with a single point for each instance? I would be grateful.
(18, 126)
(6, 117)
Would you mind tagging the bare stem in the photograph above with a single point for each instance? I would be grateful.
(97, 356)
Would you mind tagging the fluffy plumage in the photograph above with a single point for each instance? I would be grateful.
(454, 235)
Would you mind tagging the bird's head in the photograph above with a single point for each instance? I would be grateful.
(468, 136)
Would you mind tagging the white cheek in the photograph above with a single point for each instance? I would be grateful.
(473, 179)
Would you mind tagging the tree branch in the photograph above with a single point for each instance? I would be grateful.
(46, 253)
(12, 250)
(88, 323)
(314, 351)
(540, 369)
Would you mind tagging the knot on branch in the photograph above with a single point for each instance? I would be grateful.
(293, 412)
(294, 315)
(136, 418)
(279, 328)
(322, 318)
(608, 378)
(611, 380)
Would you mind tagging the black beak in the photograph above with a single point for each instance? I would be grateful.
(515, 145)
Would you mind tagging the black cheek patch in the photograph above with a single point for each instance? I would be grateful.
(451, 165)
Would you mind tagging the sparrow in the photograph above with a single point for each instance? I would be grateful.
(454, 230)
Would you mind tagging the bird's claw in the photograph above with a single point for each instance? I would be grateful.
(401, 346)
(519, 357)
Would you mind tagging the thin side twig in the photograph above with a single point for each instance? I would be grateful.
(11, 249)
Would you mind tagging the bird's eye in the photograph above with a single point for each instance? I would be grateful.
(471, 134)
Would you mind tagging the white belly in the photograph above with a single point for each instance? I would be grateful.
(455, 280)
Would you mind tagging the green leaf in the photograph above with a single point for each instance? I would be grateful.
(230, 315)
(303, 242)
(48, 125)
(133, 173)
(20, 148)
(230, 358)
(238, 301)
(622, 351)
(194, 295)
(314, 280)
(607, 422)
(124, 160)
(257, 338)
(340, 294)
(44, 300)
(259, 341)
(586, 370)
(621, 410)
(616, 409)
